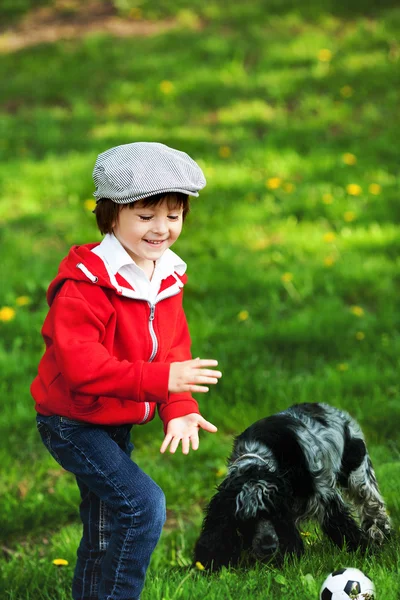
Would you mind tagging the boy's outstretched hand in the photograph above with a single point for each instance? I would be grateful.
(186, 429)
(193, 375)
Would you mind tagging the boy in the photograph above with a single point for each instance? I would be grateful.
(117, 347)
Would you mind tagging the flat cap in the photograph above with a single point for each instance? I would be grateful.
(135, 171)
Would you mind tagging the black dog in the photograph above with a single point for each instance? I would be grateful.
(284, 470)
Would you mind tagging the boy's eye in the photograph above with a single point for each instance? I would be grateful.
(144, 218)
(173, 217)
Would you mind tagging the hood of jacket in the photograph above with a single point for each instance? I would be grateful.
(81, 264)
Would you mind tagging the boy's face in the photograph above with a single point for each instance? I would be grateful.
(146, 233)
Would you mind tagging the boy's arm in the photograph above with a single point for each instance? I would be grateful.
(89, 368)
(182, 404)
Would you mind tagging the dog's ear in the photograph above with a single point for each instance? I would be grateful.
(257, 495)
(219, 543)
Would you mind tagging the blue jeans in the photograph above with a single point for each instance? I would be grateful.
(122, 509)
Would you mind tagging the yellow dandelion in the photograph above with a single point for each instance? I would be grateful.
(90, 204)
(273, 183)
(343, 367)
(357, 311)
(199, 566)
(360, 335)
(329, 237)
(222, 472)
(22, 300)
(353, 189)
(327, 198)
(261, 244)
(325, 55)
(7, 313)
(135, 13)
(287, 277)
(225, 151)
(243, 315)
(349, 159)
(346, 91)
(349, 216)
(167, 87)
(289, 187)
(375, 189)
(329, 261)
(60, 562)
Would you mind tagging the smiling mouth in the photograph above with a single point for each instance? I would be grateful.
(155, 242)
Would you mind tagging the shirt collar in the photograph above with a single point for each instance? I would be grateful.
(117, 257)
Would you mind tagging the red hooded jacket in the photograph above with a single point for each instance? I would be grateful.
(108, 353)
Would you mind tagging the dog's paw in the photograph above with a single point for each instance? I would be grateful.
(376, 535)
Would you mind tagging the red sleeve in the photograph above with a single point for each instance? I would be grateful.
(89, 368)
(179, 405)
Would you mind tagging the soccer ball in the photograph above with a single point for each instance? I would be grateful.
(347, 584)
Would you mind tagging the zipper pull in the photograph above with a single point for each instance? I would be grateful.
(152, 311)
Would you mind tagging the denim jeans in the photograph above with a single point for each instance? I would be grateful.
(122, 509)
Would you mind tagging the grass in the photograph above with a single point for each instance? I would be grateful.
(293, 275)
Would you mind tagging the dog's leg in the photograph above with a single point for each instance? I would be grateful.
(219, 543)
(363, 490)
(339, 525)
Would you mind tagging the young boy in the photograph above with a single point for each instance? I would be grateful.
(117, 347)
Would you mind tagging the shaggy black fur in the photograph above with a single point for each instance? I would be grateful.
(283, 470)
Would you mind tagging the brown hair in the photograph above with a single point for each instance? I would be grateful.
(107, 211)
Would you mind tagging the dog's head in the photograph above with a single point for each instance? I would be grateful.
(257, 495)
(257, 489)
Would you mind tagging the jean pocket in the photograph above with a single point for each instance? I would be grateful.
(69, 426)
(48, 439)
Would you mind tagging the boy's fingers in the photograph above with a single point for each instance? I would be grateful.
(208, 373)
(194, 438)
(200, 379)
(207, 426)
(174, 444)
(185, 445)
(197, 389)
(165, 443)
(204, 362)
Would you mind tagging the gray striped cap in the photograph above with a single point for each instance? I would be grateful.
(135, 171)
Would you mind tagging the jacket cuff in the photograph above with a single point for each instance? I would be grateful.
(177, 406)
(154, 384)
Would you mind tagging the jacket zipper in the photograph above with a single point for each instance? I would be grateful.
(153, 352)
(152, 332)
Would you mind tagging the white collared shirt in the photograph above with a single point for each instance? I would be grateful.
(117, 260)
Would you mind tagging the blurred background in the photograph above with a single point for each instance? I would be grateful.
(292, 111)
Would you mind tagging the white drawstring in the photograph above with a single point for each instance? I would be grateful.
(88, 274)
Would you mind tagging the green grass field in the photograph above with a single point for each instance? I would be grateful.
(293, 252)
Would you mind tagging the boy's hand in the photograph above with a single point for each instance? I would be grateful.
(185, 376)
(186, 429)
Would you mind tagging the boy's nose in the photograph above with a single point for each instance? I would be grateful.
(160, 226)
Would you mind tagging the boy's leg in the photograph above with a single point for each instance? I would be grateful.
(96, 518)
(136, 502)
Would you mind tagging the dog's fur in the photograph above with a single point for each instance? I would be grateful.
(283, 470)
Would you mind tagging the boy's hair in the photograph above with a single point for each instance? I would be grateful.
(107, 211)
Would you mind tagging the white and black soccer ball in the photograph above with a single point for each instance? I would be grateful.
(347, 584)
